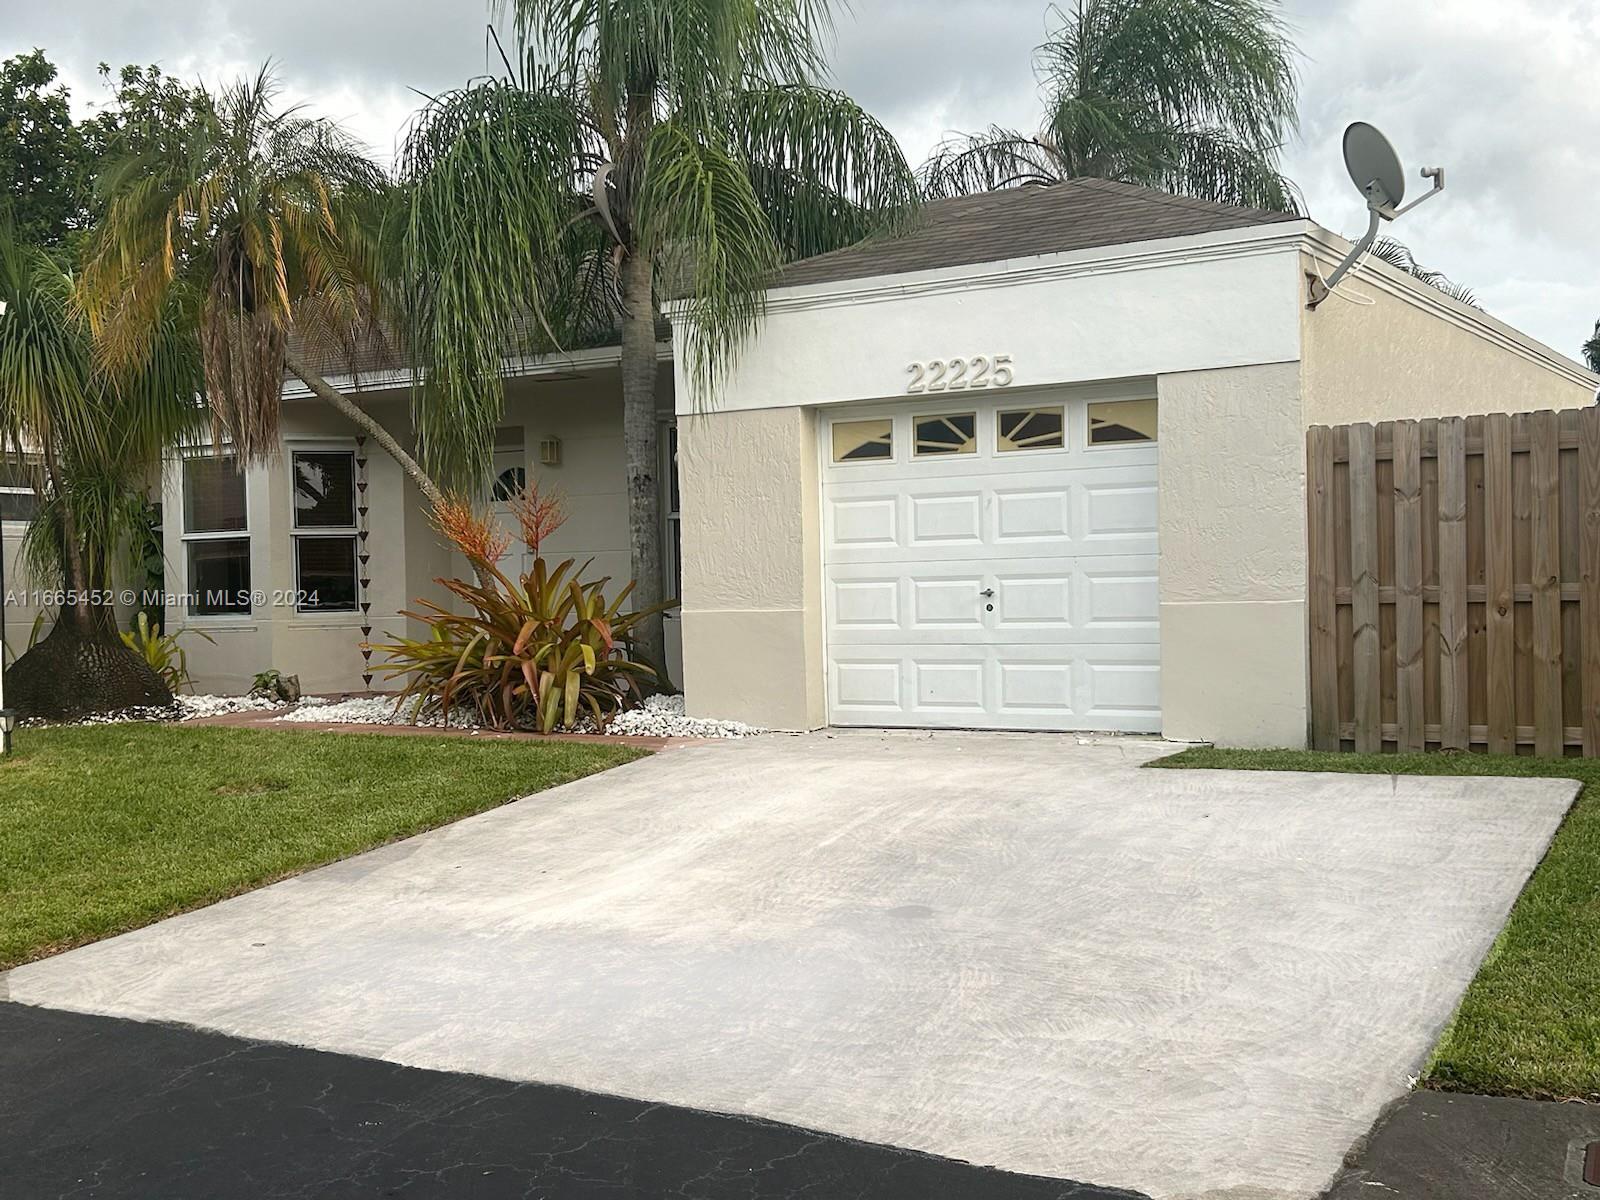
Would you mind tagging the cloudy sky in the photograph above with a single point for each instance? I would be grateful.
(1500, 92)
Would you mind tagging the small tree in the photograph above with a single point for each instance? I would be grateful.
(1189, 96)
(273, 221)
(95, 435)
(640, 148)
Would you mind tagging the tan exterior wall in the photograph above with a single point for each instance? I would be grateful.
(752, 581)
(407, 554)
(1233, 560)
(1410, 354)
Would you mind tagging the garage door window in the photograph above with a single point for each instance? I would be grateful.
(949, 433)
(1120, 422)
(1030, 429)
(863, 441)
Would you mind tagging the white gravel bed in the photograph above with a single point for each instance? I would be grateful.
(192, 708)
(183, 708)
(663, 716)
(659, 716)
(366, 710)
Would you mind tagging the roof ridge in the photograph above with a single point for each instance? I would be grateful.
(1152, 195)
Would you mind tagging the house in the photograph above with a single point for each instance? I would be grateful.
(1037, 464)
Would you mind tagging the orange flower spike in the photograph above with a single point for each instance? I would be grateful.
(538, 515)
(470, 532)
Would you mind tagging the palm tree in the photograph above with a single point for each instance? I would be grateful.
(1398, 254)
(274, 220)
(639, 149)
(1591, 349)
(93, 438)
(1189, 96)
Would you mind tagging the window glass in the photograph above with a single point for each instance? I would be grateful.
(1112, 422)
(18, 505)
(213, 495)
(862, 441)
(1030, 429)
(324, 489)
(509, 484)
(952, 433)
(325, 573)
(219, 576)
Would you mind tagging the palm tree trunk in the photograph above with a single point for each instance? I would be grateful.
(75, 574)
(642, 448)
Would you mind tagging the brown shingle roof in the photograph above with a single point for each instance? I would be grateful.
(1019, 222)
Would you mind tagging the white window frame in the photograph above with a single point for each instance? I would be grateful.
(296, 533)
(1095, 447)
(188, 536)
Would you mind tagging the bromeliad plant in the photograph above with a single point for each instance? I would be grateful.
(535, 651)
(161, 651)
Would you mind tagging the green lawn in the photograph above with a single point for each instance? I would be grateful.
(1530, 1023)
(107, 828)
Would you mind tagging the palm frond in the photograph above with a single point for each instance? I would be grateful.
(1591, 349)
(491, 173)
(1398, 255)
(250, 213)
(44, 350)
(826, 172)
(981, 162)
(1194, 97)
(699, 214)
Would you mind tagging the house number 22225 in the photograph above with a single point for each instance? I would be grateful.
(960, 374)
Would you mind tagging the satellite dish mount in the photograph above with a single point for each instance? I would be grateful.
(1375, 170)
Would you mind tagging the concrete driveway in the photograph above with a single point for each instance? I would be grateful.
(1016, 950)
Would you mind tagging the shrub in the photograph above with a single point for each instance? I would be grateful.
(533, 652)
(161, 651)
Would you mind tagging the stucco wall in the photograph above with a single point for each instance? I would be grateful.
(1233, 559)
(752, 591)
(1113, 312)
(1411, 353)
(407, 554)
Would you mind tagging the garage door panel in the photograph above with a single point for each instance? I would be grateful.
(867, 604)
(1119, 511)
(870, 522)
(1127, 598)
(1122, 691)
(1003, 589)
(1033, 601)
(868, 688)
(945, 605)
(946, 519)
(1033, 514)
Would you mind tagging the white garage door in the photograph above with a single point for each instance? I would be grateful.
(992, 564)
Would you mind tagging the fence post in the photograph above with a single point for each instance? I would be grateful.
(1548, 723)
(1499, 598)
(1453, 583)
(1408, 630)
(1364, 588)
(1320, 551)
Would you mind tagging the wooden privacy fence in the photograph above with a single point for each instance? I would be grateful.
(1455, 583)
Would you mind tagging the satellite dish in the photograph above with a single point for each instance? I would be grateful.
(1373, 165)
(1375, 170)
